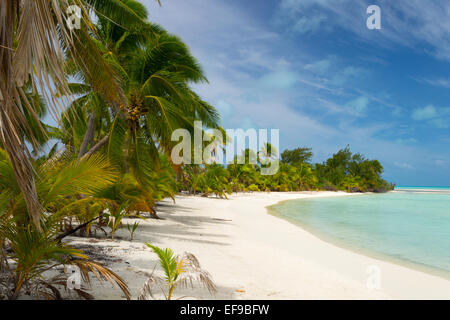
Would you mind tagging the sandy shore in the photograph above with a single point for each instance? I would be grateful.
(254, 255)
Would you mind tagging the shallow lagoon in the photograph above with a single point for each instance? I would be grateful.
(409, 225)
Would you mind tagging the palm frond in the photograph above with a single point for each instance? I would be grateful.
(167, 260)
(117, 136)
(87, 176)
(102, 273)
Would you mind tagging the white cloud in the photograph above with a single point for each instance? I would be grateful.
(425, 113)
(309, 24)
(320, 67)
(439, 123)
(355, 108)
(445, 83)
(436, 117)
(359, 104)
(403, 165)
(280, 79)
(412, 23)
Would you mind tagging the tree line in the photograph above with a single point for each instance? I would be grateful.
(343, 171)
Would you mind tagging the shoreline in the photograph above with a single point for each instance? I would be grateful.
(444, 274)
(252, 254)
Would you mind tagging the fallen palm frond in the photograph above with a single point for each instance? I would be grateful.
(102, 273)
(49, 289)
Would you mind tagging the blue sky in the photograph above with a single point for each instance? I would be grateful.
(312, 69)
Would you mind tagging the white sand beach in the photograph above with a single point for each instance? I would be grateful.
(254, 255)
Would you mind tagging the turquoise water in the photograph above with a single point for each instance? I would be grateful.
(418, 188)
(410, 226)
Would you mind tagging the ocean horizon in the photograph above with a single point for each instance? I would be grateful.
(421, 187)
(409, 226)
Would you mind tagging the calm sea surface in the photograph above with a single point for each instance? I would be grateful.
(410, 225)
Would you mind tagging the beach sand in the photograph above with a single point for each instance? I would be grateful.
(253, 255)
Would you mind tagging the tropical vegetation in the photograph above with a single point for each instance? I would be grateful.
(343, 171)
(118, 86)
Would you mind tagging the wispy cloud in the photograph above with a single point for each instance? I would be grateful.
(408, 23)
(436, 117)
(403, 165)
(445, 83)
(348, 73)
(320, 67)
(309, 24)
(359, 104)
(406, 141)
(283, 79)
(425, 113)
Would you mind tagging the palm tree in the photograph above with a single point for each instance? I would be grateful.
(216, 180)
(160, 100)
(155, 70)
(34, 39)
(307, 178)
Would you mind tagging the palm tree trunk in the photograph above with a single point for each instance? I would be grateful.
(88, 136)
(72, 231)
(23, 170)
(97, 147)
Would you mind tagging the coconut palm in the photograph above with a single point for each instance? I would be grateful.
(35, 38)
(156, 69)
(160, 100)
(216, 181)
(307, 177)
